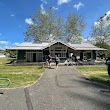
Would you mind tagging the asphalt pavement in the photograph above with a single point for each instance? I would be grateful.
(58, 89)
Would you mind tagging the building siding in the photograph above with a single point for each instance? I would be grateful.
(21, 55)
(94, 54)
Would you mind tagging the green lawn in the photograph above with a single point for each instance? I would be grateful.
(19, 75)
(3, 61)
(95, 73)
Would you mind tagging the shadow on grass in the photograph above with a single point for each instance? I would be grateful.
(102, 79)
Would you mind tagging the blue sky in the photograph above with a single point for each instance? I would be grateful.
(15, 15)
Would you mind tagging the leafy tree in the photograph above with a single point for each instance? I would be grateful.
(59, 31)
(45, 27)
(48, 26)
(101, 32)
(74, 27)
(104, 53)
(11, 54)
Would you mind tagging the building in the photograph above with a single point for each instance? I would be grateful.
(38, 52)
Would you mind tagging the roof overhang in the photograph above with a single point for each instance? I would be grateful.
(59, 42)
(24, 48)
(90, 49)
(30, 46)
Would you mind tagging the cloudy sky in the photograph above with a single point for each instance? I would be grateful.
(15, 15)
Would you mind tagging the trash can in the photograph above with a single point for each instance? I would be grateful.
(108, 68)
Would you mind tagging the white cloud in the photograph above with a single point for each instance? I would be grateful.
(105, 20)
(5, 47)
(84, 39)
(4, 42)
(89, 40)
(29, 21)
(78, 6)
(63, 1)
(55, 8)
(44, 1)
(108, 13)
(42, 9)
(16, 43)
(12, 15)
(97, 24)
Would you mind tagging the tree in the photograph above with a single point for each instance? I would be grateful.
(45, 28)
(74, 27)
(12, 54)
(49, 26)
(102, 44)
(59, 31)
(101, 32)
(104, 53)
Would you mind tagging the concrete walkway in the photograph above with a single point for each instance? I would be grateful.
(58, 89)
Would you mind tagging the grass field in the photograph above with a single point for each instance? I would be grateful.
(95, 73)
(19, 75)
(3, 61)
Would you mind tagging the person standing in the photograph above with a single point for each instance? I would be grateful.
(57, 60)
(108, 65)
(49, 60)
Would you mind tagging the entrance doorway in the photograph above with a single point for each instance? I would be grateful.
(34, 57)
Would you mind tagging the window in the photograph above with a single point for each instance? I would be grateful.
(60, 53)
(58, 50)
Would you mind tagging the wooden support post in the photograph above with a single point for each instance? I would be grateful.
(43, 65)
